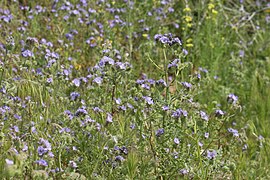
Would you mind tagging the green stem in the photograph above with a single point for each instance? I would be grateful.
(167, 87)
(3, 70)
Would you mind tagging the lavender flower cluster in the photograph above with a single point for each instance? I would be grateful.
(168, 39)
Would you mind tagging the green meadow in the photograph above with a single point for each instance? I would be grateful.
(158, 89)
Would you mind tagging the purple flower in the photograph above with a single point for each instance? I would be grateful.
(92, 42)
(119, 158)
(211, 154)
(9, 162)
(65, 129)
(132, 126)
(73, 164)
(187, 85)
(174, 63)
(204, 116)
(164, 40)
(178, 113)
(219, 113)
(241, 53)
(124, 150)
(74, 95)
(185, 51)
(25, 148)
(232, 98)
(49, 80)
(233, 131)
(16, 116)
(69, 36)
(168, 39)
(109, 118)
(45, 143)
(123, 66)
(98, 80)
(148, 99)
(157, 37)
(118, 101)
(162, 82)
(140, 81)
(123, 108)
(176, 141)
(165, 108)
(206, 135)
(76, 82)
(260, 137)
(203, 70)
(244, 148)
(183, 171)
(27, 53)
(106, 60)
(41, 150)
(50, 154)
(159, 132)
(81, 111)
(97, 109)
(42, 162)
(267, 19)
(145, 86)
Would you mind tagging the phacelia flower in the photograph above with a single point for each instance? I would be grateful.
(211, 154)
(42, 162)
(159, 132)
(81, 111)
(183, 171)
(165, 108)
(174, 63)
(204, 116)
(74, 96)
(148, 99)
(219, 113)
(98, 80)
(187, 85)
(233, 131)
(76, 82)
(167, 39)
(9, 162)
(176, 141)
(109, 118)
(119, 158)
(178, 113)
(232, 98)
(73, 164)
(27, 53)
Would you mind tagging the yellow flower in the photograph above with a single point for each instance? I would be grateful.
(189, 40)
(189, 45)
(77, 66)
(188, 18)
(214, 11)
(189, 24)
(187, 9)
(211, 6)
(145, 35)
